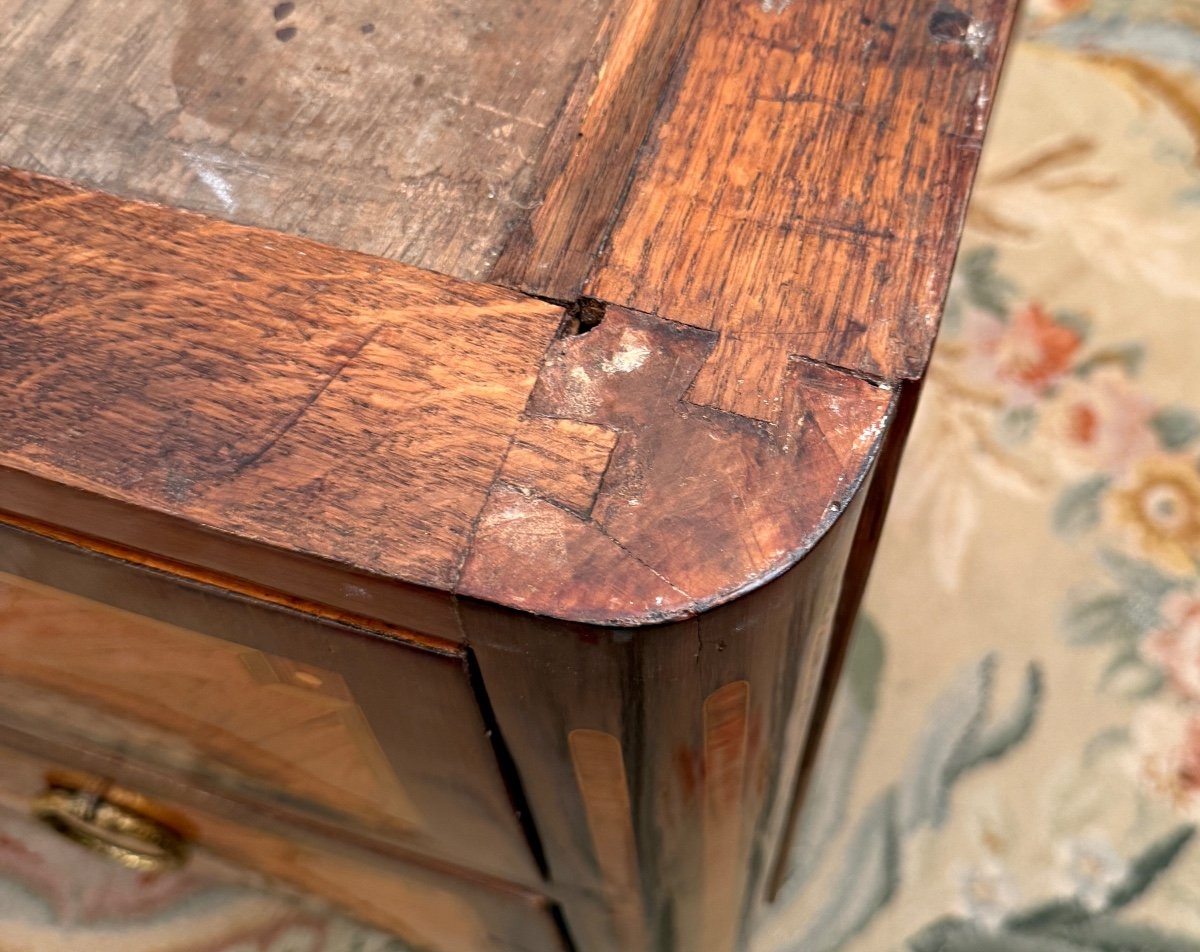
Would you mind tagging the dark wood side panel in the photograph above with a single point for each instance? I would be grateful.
(874, 500)
(805, 185)
(655, 760)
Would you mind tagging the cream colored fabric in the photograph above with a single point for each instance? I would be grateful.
(1018, 741)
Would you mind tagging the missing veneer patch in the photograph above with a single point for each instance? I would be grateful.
(583, 316)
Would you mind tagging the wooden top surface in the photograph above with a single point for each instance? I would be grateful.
(315, 400)
(765, 197)
(410, 129)
(805, 184)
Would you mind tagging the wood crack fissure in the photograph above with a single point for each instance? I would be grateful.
(881, 383)
(249, 459)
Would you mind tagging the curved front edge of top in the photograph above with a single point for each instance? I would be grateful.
(623, 503)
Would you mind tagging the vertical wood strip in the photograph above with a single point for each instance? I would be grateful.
(600, 774)
(726, 732)
(553, 251)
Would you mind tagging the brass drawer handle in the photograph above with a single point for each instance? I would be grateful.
(112, 830)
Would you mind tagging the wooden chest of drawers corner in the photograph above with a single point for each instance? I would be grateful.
(441, 459)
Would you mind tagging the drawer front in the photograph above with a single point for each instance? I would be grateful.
(424, 907)
(281, 708)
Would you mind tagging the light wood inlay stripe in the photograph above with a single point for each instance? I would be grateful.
(600, 774)
(726, 730)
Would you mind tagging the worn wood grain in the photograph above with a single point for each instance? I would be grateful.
(805, 184)
(647, 534)
(749, 498)
(255, 385)
(589, 160)
(561, 460)
(874, 500)
(324, 405)
(410, 130)
(603, 786)
(708, 717)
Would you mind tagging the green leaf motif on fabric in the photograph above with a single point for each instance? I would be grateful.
(961, 733)
(1109, 617)
(1127, 675)
(869, 875)
(1150, 865)
(864, 664)
(997, 736)
(1129, 357)
(958, 736)
(1138, 576)
(984, 286)
(1081, 324)
(1107, 934)
(1016, 424)
(1101, 934)
(1067, 924)
(1176, 427)
(960, 935)
(1078, 508)
(827, 799)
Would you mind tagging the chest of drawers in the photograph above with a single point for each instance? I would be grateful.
(441, 448)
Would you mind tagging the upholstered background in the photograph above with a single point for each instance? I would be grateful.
(1014, 761)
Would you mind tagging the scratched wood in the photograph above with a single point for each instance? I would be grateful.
(559, 459)
(824, 678)
(805, 185)
(749, 498)
(411, 130)
(328, 405)
(649, 536)
(704, 781)
(256, 385)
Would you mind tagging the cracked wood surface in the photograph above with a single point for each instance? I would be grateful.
(804, 187)
(596, 143)
(765, 197)
(695, 506)
(411, 130)
(370, 436)
(366, 421)
(252, 384)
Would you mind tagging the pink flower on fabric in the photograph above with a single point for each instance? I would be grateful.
(1175, 646)
(1166, 742)
(1026, 356)
(1102, 422)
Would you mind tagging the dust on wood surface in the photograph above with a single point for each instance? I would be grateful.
(411, 130)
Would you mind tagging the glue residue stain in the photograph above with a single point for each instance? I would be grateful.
(632, 352)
